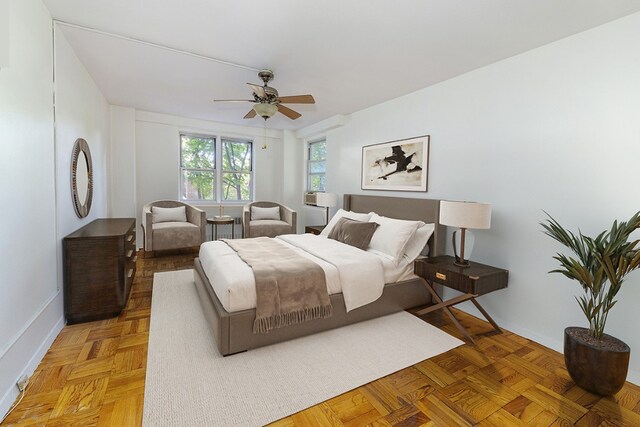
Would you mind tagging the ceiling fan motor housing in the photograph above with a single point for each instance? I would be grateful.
(266, 76)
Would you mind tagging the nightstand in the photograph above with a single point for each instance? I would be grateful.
(314, 229)
(476, 280)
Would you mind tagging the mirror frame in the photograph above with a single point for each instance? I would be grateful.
(81, 207)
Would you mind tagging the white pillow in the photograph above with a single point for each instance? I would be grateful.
(177, 214)
(344, 214)
(258, 213)
(392, 235)
(416, 244)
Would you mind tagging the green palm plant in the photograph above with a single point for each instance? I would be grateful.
(600, 266)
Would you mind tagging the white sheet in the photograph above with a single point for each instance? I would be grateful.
(394, 272)
(362, 273)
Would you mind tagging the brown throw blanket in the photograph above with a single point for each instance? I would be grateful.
(289, 288)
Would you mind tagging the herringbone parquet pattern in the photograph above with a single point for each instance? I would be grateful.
(94, 375)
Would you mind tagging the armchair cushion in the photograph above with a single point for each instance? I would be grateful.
(177, 214)
(170, 235)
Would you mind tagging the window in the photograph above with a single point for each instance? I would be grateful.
(206, 176)
(198, 167)
(236, 170)
(317, 165)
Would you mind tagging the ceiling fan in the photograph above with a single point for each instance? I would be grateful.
(267, 102)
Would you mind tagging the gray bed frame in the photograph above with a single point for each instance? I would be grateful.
(233, 332)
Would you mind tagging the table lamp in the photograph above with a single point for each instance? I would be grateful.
(465, 215)
(327, 200)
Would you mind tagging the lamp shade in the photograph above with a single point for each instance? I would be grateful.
(472, 215)
(265, 110)
(328, 200)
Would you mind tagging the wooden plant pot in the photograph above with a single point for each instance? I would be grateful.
(598, 366)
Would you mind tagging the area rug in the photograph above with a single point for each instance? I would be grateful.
(189, 383)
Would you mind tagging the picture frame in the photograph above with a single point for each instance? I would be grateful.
(401, 165)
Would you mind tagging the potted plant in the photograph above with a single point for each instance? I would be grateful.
(596, 361)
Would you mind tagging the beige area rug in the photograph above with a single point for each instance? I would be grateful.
(189, 384)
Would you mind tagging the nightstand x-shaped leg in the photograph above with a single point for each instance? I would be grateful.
(444, 305)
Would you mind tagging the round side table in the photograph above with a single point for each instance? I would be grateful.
(221, 220)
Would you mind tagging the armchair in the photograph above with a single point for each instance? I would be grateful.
(173, 234)
(287, 224)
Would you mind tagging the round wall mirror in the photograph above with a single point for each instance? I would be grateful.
(81, 178)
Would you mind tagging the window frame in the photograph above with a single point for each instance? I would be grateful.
(217, 169)
(310, 174)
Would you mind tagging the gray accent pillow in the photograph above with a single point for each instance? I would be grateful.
(354, 233)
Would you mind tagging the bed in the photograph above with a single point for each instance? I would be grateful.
(233, 330)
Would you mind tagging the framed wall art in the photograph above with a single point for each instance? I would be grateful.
(401, 165)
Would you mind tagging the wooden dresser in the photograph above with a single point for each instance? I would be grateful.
(99, 267)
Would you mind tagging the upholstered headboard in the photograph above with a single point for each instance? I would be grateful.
(427, 210)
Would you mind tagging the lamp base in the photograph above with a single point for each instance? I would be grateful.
(459, 238)
(464, 264)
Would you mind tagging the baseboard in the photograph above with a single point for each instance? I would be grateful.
(12, 393)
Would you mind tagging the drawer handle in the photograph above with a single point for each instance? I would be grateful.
(129, 253)
(135, 258)
(129, 237)
(441, 276)
(130, 273)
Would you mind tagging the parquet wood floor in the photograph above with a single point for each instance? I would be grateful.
(94, 375)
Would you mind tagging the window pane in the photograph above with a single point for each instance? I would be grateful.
(236, 186)
(198, 185)
(317, 167)
(236, 156)
(316, 182)
(197, 153)
(318, 150)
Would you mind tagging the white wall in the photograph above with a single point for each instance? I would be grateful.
(157, 158)
(123, 162)
(28, 221)
(556, 128)
(81, 112)
(36, 181)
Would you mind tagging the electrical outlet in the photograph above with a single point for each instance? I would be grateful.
(22, 382)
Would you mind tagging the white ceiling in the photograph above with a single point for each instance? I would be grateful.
(349, 54)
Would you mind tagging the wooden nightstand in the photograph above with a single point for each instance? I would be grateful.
(314, 229)
(476, 280)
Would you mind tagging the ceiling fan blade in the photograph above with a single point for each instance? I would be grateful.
(297, 99)
(288, 112)
(259, 90)
(251, 114)
(234, 100)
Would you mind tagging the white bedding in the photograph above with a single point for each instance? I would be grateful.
(359, 275)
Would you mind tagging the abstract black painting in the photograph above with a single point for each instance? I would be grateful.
(401, 165)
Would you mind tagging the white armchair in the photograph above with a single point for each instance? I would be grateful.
(251, 227)
(173, 234)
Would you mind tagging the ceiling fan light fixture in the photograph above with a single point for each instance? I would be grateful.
(265, 110)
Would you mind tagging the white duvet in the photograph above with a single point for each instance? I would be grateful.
(358, 274)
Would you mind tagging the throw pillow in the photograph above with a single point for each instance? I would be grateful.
(177, 214)
(347, 214)
(352, 232)
(258, 213)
